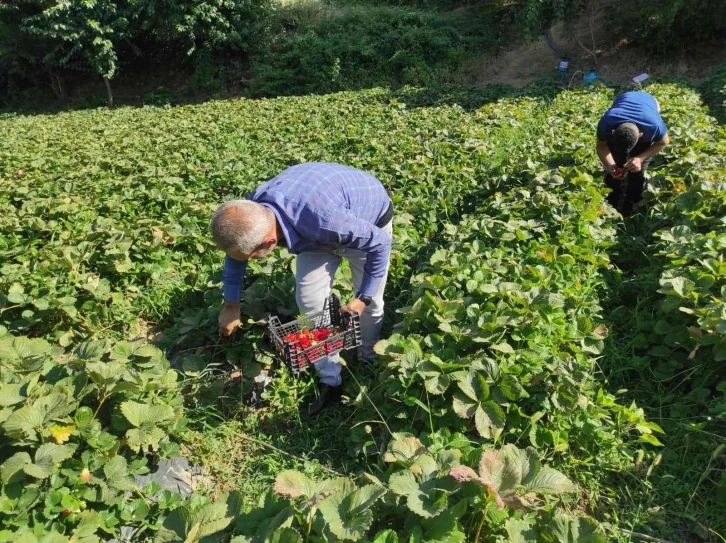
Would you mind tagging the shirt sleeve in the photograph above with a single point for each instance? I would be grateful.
(233, 275)
(660, 131)
(343, 228)
(603, 130)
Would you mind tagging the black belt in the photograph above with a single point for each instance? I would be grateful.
(387, 217)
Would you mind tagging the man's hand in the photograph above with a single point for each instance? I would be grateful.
(354, 306)
(616, 171)
(635, 164)
(229, 319)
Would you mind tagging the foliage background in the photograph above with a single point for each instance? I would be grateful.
(181, 51)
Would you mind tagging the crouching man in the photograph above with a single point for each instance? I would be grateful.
(322, 213)
(629, 135)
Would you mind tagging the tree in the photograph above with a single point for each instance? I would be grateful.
(52, 35)
(85, 29)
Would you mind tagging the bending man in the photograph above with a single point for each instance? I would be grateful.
(629, 134)
(323, 213)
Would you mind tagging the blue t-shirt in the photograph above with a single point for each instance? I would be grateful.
(636, 107)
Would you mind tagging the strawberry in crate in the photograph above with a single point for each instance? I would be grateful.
(306, 338)
(312, 337)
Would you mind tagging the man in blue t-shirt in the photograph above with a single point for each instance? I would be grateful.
(629, 134)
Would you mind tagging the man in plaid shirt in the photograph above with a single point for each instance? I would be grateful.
(323, 213)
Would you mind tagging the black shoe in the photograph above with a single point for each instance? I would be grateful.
(327, 395)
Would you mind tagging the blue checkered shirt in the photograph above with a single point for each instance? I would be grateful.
(322, 206)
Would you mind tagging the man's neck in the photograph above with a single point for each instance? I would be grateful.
(281, 239)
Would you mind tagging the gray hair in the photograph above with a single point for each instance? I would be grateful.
(241, 225)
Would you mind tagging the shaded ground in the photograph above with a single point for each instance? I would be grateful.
(617, 62)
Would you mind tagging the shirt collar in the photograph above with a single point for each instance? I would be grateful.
(288, 231)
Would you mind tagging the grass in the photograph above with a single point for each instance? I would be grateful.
(245, 447)
(668, 494)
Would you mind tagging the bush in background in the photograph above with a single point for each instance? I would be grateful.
(325, 49)
(670, 25)
(44, 41)
(713, 91)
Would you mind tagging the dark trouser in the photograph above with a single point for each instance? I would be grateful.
(635, 181)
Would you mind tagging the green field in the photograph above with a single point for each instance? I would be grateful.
(574, 361)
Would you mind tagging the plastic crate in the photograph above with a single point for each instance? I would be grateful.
(297, 358)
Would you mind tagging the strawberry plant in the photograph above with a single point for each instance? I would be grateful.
(73, 425)
(541, 359)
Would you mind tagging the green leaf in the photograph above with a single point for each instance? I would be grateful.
(268, 507)
(28, 499)
(489, 419)
(386, 536)
(212, 518)
(364, 498)
(54, 537)
(105, 374)
(26, 419)
(474, 386)
(142, 439)
(482, 388)
(140, 414)
(117, 474)
(177, 525)
(47, 457)
(520, 466)
(502, 348)
(662, 328)
(464, 406)
(403, 448)
(348, 516)
(650, 439)
(148, 351)
(16, 294)
(520, 531)
(444, 528)
(10, 394)
(83, 417)
(511, 388)
(293, 484)
(566, 529)
(90, 522)
(284, 535)
(549, 481)
(92, 350)
(418, 500)
(27, 354)
(12, 469)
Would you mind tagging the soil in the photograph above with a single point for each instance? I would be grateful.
(617, 62)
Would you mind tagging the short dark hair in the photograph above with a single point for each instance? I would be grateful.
(625, 137)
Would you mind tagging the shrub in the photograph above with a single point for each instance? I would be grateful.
(671, 24)
(360, 47)
(713, 91)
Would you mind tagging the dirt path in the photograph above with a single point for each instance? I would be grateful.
(617, 62)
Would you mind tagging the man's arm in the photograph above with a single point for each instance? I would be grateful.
(603, 149)
(635, 164)
(343, 228)
(232, 276)
(655, 148)
(606, 157)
